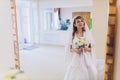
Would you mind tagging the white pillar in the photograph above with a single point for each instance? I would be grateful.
(6, 38)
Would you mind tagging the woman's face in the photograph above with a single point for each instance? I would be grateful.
(79, 23)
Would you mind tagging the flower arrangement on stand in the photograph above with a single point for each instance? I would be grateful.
(64, 24)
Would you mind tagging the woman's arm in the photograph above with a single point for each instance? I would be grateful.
(78, 51)
(88, 49)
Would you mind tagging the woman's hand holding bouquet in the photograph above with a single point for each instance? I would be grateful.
(81, 43)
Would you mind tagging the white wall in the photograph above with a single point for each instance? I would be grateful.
(100, 24)
(53, 37)
(6, 42)
(64, 3)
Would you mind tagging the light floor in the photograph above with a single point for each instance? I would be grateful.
(44, 63)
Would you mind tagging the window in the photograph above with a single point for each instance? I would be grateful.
(51, 19)
(27, 22)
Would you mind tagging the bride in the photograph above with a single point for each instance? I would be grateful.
(82, 63)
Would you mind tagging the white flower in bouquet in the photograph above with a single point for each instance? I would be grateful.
(81, 42)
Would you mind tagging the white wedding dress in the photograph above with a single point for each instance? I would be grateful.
(81, 67)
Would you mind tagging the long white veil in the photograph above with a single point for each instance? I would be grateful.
(89, 37)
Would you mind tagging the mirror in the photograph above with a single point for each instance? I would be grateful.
(42, 46)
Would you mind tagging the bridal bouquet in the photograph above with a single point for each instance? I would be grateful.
(81, 42)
